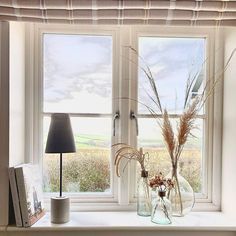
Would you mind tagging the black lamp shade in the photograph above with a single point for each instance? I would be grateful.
(60, 135)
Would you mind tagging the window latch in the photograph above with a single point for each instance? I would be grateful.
(134, 117)
(116, 116)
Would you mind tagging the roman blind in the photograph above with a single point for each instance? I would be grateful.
(134, 12)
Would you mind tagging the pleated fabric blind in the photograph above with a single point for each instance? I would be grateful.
(134, 12)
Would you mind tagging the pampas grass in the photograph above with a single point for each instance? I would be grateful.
(185, 125)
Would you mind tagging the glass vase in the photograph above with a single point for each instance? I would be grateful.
(144, 206)
(181, 195)
(161, 209)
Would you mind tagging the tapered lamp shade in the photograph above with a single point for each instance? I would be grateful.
(60, 136)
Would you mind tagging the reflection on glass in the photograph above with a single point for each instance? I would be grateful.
(150, 138)
(87, 170)
(172, 61)
(77, 73)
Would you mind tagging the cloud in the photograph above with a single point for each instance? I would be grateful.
(171, 60)
(75, 63)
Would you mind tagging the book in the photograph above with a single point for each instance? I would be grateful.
(29, 187)
(15, 196)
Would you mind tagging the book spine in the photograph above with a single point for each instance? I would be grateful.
(22, 196)
(15, 196)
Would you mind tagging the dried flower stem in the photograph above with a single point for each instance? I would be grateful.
(127, 152)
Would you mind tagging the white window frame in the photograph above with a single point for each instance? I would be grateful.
(35, 105)
(124, 77)
(209, 199)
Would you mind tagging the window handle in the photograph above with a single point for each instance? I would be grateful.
(134, 117)
(116, 116)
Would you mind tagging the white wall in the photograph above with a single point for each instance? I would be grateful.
(17, 93)
(229, 127)
(12, 100)
(17, 115)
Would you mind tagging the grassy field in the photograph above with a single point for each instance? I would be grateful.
(88, 170)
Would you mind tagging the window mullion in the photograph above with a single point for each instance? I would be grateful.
(124, 105)
(134, 108)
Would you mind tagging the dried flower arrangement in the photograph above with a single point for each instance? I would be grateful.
(128, 153)
(161, 184)
(175, 142)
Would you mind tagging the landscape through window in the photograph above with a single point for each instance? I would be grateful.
(78, 80)
(172, 61)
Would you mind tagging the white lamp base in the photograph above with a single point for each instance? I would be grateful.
(60, 210)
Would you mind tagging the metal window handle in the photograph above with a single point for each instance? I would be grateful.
(116, 116)
(134, 117)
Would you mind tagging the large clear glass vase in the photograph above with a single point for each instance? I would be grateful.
(181, 196)
(144, 206)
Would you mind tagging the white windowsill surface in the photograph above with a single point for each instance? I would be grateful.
(195, 221)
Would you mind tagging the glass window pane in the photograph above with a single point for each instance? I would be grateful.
(77, 73)
(87, 170)
(172, 61)
(150, 138)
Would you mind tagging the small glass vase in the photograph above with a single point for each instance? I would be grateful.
(181, 195)
(161, 209)
(144, 206)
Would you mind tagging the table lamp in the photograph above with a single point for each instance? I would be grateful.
(60, 140)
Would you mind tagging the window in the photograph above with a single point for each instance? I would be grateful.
(172, 61)
(77, 79)
(91, 74)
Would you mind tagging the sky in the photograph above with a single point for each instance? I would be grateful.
(171, 61)
(78, 76)
(77, 73)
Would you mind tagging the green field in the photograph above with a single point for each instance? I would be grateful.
(88, 170)
(91, 141)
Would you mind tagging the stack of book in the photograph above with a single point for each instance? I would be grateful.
(27, 194)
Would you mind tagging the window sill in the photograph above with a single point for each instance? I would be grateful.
(93, 205)
(128, 221)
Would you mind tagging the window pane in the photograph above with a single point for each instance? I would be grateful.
(77, 73)
(150, 138)
(172, 61)
(87, 170)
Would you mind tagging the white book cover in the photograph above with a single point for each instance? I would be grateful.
(29, 183)
(15, 196)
